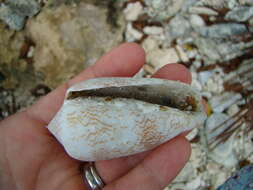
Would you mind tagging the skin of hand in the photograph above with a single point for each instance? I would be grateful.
(32, 159)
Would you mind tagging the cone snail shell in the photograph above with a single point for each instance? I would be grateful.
(106, 118)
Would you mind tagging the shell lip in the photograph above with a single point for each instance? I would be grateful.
(150, 93)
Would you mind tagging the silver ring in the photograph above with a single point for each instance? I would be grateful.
(91, 177)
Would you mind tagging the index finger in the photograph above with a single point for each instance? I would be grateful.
(124, 61)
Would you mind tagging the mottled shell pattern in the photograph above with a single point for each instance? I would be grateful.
(106, 118)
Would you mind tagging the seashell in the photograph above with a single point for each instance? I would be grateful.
(106, 118)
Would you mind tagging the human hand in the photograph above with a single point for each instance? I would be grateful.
(32, 159)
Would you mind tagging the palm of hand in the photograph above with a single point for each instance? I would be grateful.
(31, 158)
(35, 160)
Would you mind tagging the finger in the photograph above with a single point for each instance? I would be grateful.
(176, 72)
(125, 60)
(110, 170)
(113, 169)
(158, 169)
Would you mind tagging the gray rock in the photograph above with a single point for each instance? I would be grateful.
(14, 13)
(208, 49)
(163, 9)
(223, 30)
(218, 50)
(221, 102)
(179, 27)
(10, 44)
(215, 125)
(223, 153)
(232, 50)
(11, 18)
(70, 38)
(204, 76)
(27, 8)
(240, 14)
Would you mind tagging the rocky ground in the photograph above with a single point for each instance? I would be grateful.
(43, 43)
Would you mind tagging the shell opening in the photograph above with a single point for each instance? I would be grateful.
(146, 93)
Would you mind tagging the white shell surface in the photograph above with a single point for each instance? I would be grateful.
(93, 128)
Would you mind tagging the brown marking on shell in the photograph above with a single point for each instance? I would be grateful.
(149, 134)
(73, 119)
(101, 128)
(163, 108)
(108, 99)
(102, 152)
(190, 100)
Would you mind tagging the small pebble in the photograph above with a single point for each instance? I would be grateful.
(203, 10)
(132, 34)
(233, 109)
(223, 101)
(132, 11)
(153, 30)
(240, 14)
(182, 54)
(161, 57)
(196, 20)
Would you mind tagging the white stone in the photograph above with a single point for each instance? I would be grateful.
(206, 94)
(193, 54)
(196, 84)
(224, 153)
(204, 76)
(150, 44)
(182, 54)
(233, 109)
(192, 134)
(203, 10)
(221, 102)
(194, 184)
(197, 20)
(132, 34)
(153, 30)
(217, 4)
(139, 74)
(232, 4)
(30, 52)
(214, 84)
(217, 174)
(198, 156)
(161, 57)
(132, 11)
